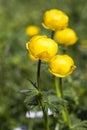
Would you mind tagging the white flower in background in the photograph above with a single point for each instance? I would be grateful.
(18, 128)
(36, 114)
(22, 127)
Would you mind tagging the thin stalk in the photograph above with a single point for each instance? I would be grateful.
(57, 87)
(38, 74)
(52, 34)
(56, 84)
(64, 49)
(59, 91)
(46, 123)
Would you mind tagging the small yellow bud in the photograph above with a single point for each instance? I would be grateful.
(42, 47)
(32, 30)
(55, 19)
(61, 65)
(83, 46)
(66, 37)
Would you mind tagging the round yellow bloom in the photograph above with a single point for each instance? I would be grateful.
(61, 65)
(42, 47)
(66, 37)
(32, 30)
(55, 19)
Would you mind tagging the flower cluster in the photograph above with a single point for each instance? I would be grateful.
(41, 47)
(57, 20)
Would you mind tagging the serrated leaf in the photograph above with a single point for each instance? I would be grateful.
(79, 129)
(24, 91)
(53, 102)
(31, 89)
(32, 100)
(81, 126)
(31, 94)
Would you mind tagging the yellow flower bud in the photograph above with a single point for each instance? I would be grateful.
(55, 19)
(32, 30)
(41, 47)
(61, 65)
(83, 46)
(66, 37)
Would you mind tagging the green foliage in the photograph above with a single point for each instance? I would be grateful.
(31, 96)
(80, 126)
(49, 98)
(16, 68)
(53, 102)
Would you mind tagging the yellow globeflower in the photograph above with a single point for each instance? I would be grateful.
(61, 65)
(42, 47)
(66, 37)
(55, 19)
(32, 30)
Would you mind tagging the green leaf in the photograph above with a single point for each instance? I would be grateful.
(53, 102)
(31, 94)
(80, 126)
(31, 86)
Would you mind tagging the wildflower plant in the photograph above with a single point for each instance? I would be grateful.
(44, 49)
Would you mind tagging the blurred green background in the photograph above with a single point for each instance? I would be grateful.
(15, 66)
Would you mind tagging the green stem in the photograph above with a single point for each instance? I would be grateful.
(58, 87)
(45, 115)
(52, 34)
(64, 49)
(38, 74)
(56, 84)
(59, 91)
(40, 97)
